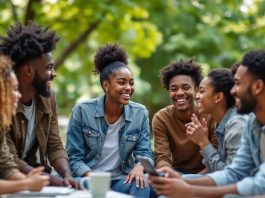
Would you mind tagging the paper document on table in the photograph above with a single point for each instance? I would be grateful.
(48, 191)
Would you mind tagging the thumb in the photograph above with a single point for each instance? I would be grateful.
(36, 171)
(204, 123)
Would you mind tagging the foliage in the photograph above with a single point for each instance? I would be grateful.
(216, 33)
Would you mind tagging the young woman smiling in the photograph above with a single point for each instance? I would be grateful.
(215, 98)
(107, 133)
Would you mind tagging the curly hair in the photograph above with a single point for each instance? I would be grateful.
(5, 92)
(255, 63)
(108, 59)
(24, 43)
(222, 81)
(189, 68)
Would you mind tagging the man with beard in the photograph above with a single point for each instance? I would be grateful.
(246, 175)
(34, 137)
(172, 147)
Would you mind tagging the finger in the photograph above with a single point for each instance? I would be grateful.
(165, 169)
(192, 124)
(204, 123)
(196, 120)
(66, 183)
(142, 182)
(74, 184)
(137, 181)
(126, 179)
(131, 178)
(156, 180)
(37, 170)
(190, 129)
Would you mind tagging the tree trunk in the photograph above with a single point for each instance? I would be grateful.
(30, 12)
(75, 44)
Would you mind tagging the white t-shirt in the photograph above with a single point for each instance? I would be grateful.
(110, 155)
(29, 112)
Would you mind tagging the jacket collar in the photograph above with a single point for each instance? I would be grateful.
(221, 126)
(99, 111)
(42, 104)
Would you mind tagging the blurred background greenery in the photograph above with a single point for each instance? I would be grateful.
(154, 32)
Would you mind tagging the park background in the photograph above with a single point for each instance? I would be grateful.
(216, 33)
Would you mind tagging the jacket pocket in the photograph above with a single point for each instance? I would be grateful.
(132, 137)
(91, 137)
(130, 142)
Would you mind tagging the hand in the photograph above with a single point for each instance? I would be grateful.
(169, 172)
(138, 173)
(56, 181)
(69, 181)
(35, 181)
(171, 187)
(197, 131)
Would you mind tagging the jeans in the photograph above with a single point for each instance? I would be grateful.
(131, 189)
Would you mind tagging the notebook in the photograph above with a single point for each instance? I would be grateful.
(48, 191)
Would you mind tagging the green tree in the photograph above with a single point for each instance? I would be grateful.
(215, 33)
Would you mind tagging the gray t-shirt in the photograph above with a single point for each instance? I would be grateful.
(29, 112)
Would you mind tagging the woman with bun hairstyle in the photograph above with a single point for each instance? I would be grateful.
(215, 98)
(11, 179)
(107, 133)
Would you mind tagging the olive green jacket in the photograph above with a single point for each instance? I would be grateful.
(7, 165)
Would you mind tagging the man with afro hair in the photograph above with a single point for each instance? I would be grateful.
(172, 147)
(34, 137)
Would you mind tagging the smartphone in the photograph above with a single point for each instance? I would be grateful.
(148, 167)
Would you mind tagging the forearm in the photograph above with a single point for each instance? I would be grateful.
(61, 166)
(213, 192)
(212, 159)
(17, 176)
(12, 186)
(201, 181)
(26, 169)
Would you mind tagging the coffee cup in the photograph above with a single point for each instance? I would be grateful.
(97, 183)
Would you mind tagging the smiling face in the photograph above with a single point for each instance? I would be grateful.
(44, 74)
(206, 96)
(242, 91)
(120, 86)
(15, 94)
(182, 92)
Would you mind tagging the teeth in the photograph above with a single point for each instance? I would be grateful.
(126, 95)
(181, 100)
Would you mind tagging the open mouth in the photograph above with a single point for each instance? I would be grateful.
(181, 101)
(126, 96)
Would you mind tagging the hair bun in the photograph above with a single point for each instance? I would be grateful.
(108, 54)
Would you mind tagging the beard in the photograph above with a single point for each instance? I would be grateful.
(248, 102)
(41, 86)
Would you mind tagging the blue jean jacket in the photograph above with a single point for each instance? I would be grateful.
(87, 132)
(247, 170)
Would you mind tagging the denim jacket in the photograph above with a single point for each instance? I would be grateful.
(228, 134)
(247, 169)
(87, 132)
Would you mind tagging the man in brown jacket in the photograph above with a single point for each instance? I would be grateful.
(172, 147)
(34, 137)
